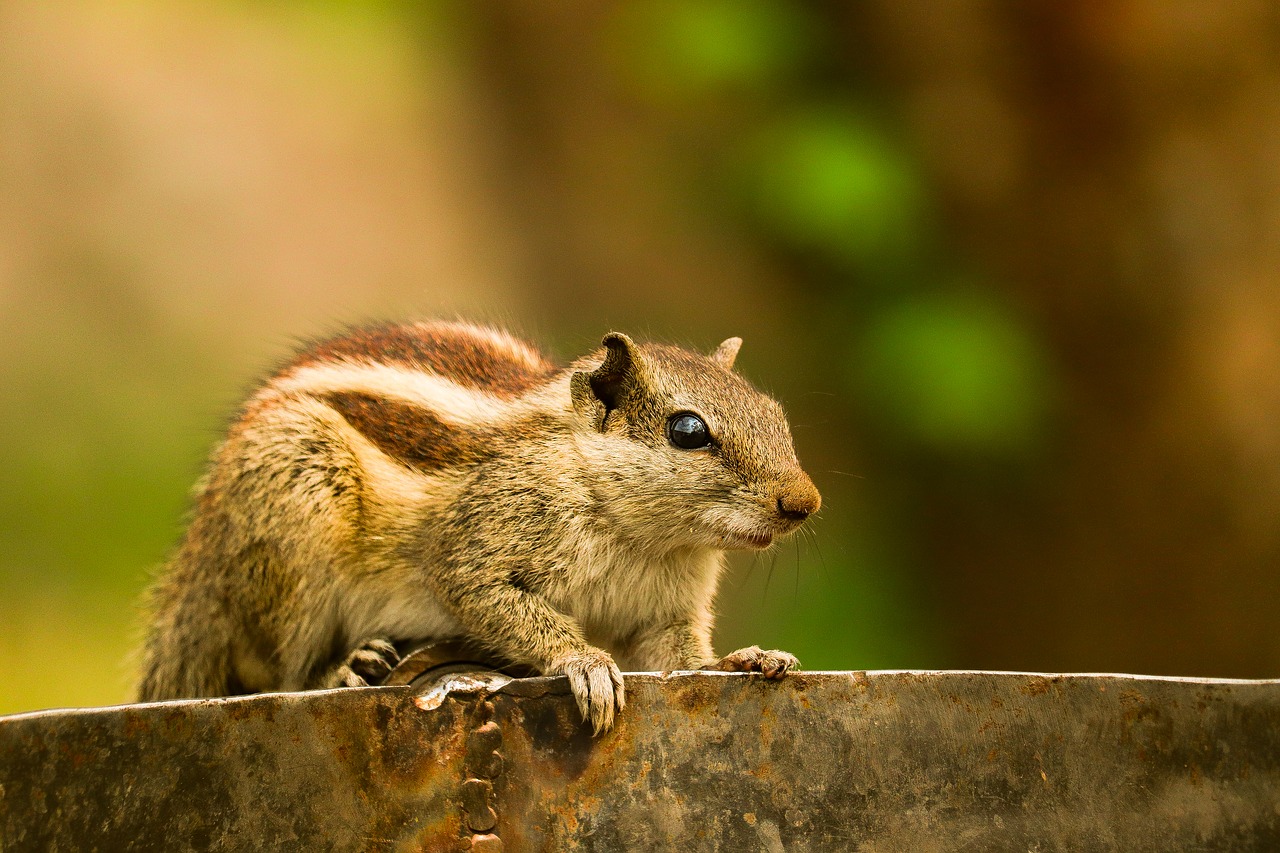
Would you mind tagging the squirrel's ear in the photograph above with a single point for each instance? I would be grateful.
(602, 386)
(726, 353)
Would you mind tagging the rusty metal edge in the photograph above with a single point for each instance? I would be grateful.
(559, 685)
(437, 777)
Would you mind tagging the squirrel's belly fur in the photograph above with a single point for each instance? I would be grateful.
(427, 480)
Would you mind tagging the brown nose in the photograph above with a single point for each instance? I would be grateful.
(798, 502)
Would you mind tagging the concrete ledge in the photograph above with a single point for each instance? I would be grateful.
(882, 761)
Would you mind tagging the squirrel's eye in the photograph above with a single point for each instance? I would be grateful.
(688, 432)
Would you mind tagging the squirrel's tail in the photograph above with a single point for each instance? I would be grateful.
(187, 650)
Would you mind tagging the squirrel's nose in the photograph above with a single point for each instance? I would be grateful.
(799, 501)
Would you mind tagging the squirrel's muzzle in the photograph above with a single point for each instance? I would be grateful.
(798, 500)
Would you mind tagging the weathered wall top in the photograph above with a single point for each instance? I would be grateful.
(888, 761)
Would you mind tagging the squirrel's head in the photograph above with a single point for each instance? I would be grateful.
(687, 453)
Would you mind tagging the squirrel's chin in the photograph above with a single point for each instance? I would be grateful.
(746, 541)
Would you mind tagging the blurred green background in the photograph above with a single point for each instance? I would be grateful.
(1012, 268)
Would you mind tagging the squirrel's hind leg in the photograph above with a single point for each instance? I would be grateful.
(369, 663)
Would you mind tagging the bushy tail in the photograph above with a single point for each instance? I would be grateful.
(186, 653)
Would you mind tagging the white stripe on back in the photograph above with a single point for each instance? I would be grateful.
(444, 398)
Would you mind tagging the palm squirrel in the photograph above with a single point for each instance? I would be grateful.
(438, 479)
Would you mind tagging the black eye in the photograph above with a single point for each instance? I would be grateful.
(688, 432)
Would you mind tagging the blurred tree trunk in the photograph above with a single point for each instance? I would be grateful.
(1118, 166)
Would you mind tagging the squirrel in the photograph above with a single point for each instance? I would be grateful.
(441, 479)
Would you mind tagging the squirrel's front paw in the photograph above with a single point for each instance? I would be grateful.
(596, 684)
(771, 663)
(367, 664)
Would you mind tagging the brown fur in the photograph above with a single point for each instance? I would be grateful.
(438, 479)
(412, 434)
(438, 348)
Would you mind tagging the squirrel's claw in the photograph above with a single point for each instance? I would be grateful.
(597, 686)
(367, 664)
(771, 663)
